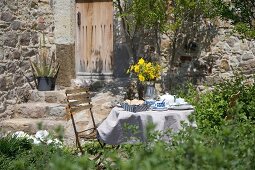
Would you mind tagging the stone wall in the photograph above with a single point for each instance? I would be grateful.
(207, 57)
(203, 56)
(21, 25)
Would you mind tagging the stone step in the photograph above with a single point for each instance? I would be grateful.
(57, 96)
(30, 126)
(40, 110)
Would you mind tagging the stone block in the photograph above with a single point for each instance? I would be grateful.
(4, 25)
(18, 80)
(248, 55)
(25, 66)
(245, 65)
(36, 96)
(25, 38)
(8, 81)
(224, 65)
(16, 55)
(48, 96)
(1, 53)
(40, 110)
(232, 41)
(30, 110)
(34, 38)
(13, 5)
(11, 39)
(2, 68)
(15, 25)
(2, 3)
(12, 66)
(244, 45)
(7, 16)
(56, 110)
(30, 126)
(2, 82)
(30, 53)
(51, 98)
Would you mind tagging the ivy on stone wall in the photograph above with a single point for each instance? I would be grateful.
(241, 13)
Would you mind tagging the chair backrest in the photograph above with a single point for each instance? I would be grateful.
(78, 100)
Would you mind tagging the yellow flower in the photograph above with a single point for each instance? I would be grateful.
(141, 77)
(145, 71)
(148, 64)
(136, 68)
(152, 76)
(141, 61)
(131, 68)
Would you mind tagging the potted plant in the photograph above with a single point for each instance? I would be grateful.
(45, 68)
(147, 73)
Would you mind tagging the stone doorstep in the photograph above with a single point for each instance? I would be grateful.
(57, 96)
(40, 110)
(30, 125)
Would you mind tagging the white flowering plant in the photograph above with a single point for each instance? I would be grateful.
(41, 137)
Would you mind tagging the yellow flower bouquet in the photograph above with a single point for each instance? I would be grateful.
(145, 71)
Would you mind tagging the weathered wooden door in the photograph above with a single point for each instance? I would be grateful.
(94, 37)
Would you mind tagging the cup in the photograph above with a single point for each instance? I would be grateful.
(160, 104)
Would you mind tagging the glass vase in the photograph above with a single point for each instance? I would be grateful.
(150, 91)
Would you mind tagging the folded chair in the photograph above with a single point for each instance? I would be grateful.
(79, 100)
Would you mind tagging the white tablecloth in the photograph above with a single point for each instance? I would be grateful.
(113, 129)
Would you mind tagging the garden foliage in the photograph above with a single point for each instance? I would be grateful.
(224, 139)
(230, 99)
(241, 13)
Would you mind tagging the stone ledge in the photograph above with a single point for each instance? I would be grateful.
(47, 96)
(30, 125)
(40, 110)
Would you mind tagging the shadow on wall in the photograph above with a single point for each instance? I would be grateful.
(186, 63)
(121, 61)
(100, 68)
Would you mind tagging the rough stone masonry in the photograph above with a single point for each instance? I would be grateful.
(21, 25)
(22, 21)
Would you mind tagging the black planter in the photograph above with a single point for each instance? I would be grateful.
(45, 83)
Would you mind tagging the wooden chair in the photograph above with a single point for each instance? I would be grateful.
(79, 100)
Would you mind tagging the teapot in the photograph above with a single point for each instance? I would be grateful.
(169, 99)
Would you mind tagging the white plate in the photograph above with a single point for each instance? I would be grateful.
(118, 105)
(159, 108)
(177, 104)
(181, 107)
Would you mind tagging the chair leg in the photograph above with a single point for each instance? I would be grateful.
(100, 143)
(76, 135)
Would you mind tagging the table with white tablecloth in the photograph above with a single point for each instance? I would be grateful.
(121, 126)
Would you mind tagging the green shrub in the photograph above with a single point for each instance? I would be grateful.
(230, 148)
(19, 153)
(12, 146)
(230, 99)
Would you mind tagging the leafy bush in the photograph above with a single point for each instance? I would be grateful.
(12, 146)
(20, 153)
(230, 99)
(230, 148)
